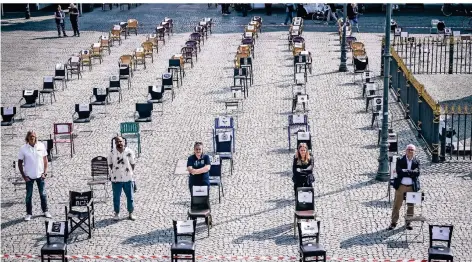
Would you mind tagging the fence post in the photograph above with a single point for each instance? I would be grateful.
(407, 106)
(420, 105)
(435, 143)
(451, 54)
(382, 55)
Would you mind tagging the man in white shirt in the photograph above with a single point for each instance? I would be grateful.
(121, 161)
(33, 165)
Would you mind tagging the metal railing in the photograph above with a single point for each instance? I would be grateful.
(455, 133)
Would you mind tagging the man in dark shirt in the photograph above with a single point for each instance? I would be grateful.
(74, 19)
(198, 166)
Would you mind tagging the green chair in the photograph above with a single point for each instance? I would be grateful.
(131, 128)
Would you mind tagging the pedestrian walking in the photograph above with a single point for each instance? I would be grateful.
(60, 16)
(122, 162)
(33, 166)
(408, 171)
(74, 19)
(302, 168)
(198, 166)
(268, 9)
(352, 15)
(289, 10)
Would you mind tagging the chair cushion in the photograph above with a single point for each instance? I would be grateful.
(199, 213)
(305, 214)
(28, 105)
(77, 214)
(439, 252)
(114, 89)
(82, 120)
(46, 91)
(98, 103)
(155, 101)
(182, 246)
(225, 155)
(143, 119)
(312, 249)
(215, 180)
(54, 248)
(9, 123)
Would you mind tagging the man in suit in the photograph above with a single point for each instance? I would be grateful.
(408, 171)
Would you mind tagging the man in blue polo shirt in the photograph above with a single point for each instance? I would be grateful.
(198, 166)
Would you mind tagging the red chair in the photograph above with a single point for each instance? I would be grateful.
(63, 133)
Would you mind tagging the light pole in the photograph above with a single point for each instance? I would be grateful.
(342, 66)
(382, 172)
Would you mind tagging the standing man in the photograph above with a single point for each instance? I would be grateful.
(122, 162)
(268, 9)
(33, 166)
(289, 9)
(74, 19)
(60, 16)
(408, 170)
(198, 166)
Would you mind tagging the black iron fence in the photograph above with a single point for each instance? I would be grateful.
(455, 133)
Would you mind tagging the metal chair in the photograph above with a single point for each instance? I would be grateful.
(143, 112)
(115, 34)
(224, 147)
(8, 118)
(440, 233)
(115, 85)
(82, 113)
(85, 59)
(48, 88)
(148, 50)
(161, 33)
(64, 133)
(96, 52)
(101, 96)
(61, 75)
(100, 174)
(200, 205)
(215, 175)
(131, 130)
(156, 96)
(168, 83)
(73, 66)
(30, 97)
(304, 205)
(105, 43)
(139, 57)
(153, 39)
(132, 26)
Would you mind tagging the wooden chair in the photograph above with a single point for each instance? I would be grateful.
(148, 50)
(132, 25)
(96, 49)
(105, 43)
(115, 34)
(85, 59)
(140, 57)
(127, 60)
(153, 39)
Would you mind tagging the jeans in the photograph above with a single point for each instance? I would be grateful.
(288, 17)
(59, 27)
(29, 195)
(75, 26)
(128, 188)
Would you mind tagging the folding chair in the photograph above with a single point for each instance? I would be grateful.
(440, 233)
(304, 137)
(30, 97)
(115, 34)
(82, 113)
(183, 229)
(223, 146)
(105, 43)
(139, 57)
(96, 52)
(73, 66)
(215, 175)
(132, 26)
(304, 205)
(125, 73)
(81, 212)
(148, 50)
(156, 96)
(55, 229)
(8, 118)
(101, 96)
(131, 130)
(115, 85)
(63, 133)
(86, 59)
(200, 205)
(100, 174)
(310, 230)
(294, 121)
(143, 112)
(415, 199)
(60, 75)
(48, 88)
(168, 83)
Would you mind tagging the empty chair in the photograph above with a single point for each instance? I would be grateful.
(105, 43)
(196, 37)
(130, 130)
(139, 57)
(307, 232)
(153, 39)
(215, 175)
(8, 117)
(86, 59)
(304, 205)
(81, 212)
(124, 29)
(115, 86)
(241, 74)
(176, 68)
(100, 173)
(161, 33)
(143, 112)
(125, 73)
(115, 34)
(246, 62)
(200, 205)
(30, 97)
(60, 74)
(73, 66)
(82, 113)
(132, 26)
(148, 50)
(55, 229)
(187, 54)
(100, 97)
(440, 233)
(170, 22)
(48, 88)
(96, 53)
(166, 26)
(168, 83)
(193, 44)
(183, 229)
(223, 145)
(156, 96)
(64, 134)
(360, 66)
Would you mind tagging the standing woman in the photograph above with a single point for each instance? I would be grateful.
(302, 168)
(198, 166)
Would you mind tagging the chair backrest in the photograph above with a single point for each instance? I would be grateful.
(147, 46)
(309, 230)
(115, 81)
(187, 51)
(96, 48)
(245, 60)
(377, 104)
(126, 59)
(224, 122)
(174, 62)
(195, 36)
(304, 137)
(74, 61)
(8, 113)
(99, 166)
(83, 110)
(215, 168)
(129, 128)
(48, 82)
(132, 23)
(240, 71)
(156, 92)
(223, 142)
(200, 198)
(100, 94)
(167, 79)
(299, 59)
(80, 199)
(144, 109)
(360, 63)
(414, 198)
(85, 54)
(104, 40)
(56, 229)
(60, 70)
(116, 33)
(30, 96)
(305, 199)
(247, 41)
(184, 229)
(124, 70)
(63, 128)
(298, 39)
(191, 43)
(440, 233)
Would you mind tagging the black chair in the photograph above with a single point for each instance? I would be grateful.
(101, 96)
(83, 112)
(304, 205)
(61, 75)
(81, 212)
(241, 74)
(196, 37)
(193, 44)
(188, 53)
(440, 233)
(361, 64)
(143, 112)
(48, 88)
(248, 41)
(177, 71)
(156, 96)
(308, 248)
(115, 86)
(304, 137)
(55, 229)
(161, 34)
(125, 73)
(8, 115)
(224, 147)
(30, 97)
(183, 229)
(49, 145)
(246, 62)
(168, 83)
(100, 173)
(200, 205)
(215, 175)
(73, 66)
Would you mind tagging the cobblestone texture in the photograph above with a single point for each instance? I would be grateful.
(255, 216)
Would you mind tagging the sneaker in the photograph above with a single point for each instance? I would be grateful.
(409, 227)
(65, 35)
(116, 216)
(282, 23)
(132, 217)
(47, 214)
(392, 226)
(27, 217)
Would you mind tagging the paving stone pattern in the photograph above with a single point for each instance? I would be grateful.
(255, 216)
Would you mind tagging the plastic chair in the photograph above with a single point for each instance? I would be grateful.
(131, 129)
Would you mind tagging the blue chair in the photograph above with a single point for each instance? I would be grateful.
(143, 112)
(223, 123)
(223, 146)
(215, 175)
(200, 205)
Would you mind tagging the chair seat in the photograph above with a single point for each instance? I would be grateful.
(216, 180)
(305, 214)
(312, 249)
(47, 91)
(225, 155)
(97, 182)
(415, 218)
(9, 123)
(98, 103)
(124, 77)
(59, 78)
(182, 247)
(199, 213)
(438, 252)
(54, 248)
(155, 101)
(77, 214)
(28, 105)
(82, 120)
(114, 89)
(143, 119)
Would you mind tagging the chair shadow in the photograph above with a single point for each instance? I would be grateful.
(11, 223)
(105, 222)
(370, 146)
(280, 151)
(46, 38)
(377, 203)
(283, 173)
(160, 236)
(369, 239)
(354, 186)
(278, 234)
(366, 128)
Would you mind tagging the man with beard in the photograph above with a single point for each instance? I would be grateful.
(122, 162)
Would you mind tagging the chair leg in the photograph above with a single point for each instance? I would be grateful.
(294, 225)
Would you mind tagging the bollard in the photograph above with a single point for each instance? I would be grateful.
(27, 12)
